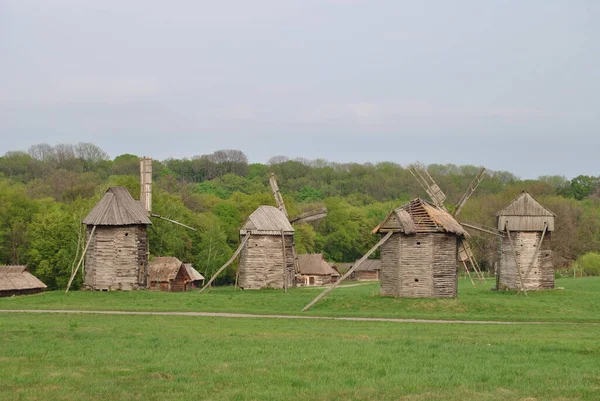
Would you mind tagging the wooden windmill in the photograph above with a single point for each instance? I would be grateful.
(420, 244)
(116, 250)
(267, 250)
(437, 196)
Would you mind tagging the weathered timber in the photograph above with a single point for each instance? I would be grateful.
(230, 261)
(517, 264)
(81, 260)
(530, 225)
(349, 272)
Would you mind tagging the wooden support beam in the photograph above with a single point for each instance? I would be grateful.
(285, 277)
(349, 272)
(468, 273)
(514, 250)
(81, 260)
(485, 230)
(173, 221)
(230, 261)
(537, 250)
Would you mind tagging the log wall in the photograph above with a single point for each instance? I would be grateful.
(541, 275)
(419, 266)
(261, 262)
(117, 258)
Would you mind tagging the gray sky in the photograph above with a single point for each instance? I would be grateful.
(513, 85)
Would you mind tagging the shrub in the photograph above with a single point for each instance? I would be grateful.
(588, 264)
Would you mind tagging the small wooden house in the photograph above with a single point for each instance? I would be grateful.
(526, 255)
(117, 256)
(268, 259)
(197, 279)
(16, 280)
(167, 273)
(367, 271)
(419, 260)
(315, 271)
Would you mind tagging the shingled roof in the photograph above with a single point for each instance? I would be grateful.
(420, 216)
(267, 220)
(14, 278)
(164, 268)
(315, 264)
(117, 208)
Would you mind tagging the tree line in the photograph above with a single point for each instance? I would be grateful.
(46, 191)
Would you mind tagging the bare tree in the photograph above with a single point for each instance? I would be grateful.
(90, 153)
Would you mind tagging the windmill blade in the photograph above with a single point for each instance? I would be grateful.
(470, 191)
(311, 215)
(435, 193)
(277, 194)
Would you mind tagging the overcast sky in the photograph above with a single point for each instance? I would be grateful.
(512, 85)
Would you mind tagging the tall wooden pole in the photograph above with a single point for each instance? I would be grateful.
(349, 272)
(231, 259)
(81, 260)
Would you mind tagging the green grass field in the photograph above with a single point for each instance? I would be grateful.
(92, 357)
(578, 302)
(112, 357)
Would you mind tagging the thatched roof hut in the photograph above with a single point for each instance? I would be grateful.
(117, 257)
(420, 259)
(268, 259)
(314, 270)
(16, 280)
(167, 273)
(527, 228)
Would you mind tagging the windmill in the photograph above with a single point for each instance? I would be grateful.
(437, 196)
(267, 250)
(116, 250)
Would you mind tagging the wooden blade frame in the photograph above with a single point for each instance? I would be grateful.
(277, 194)
(470, 191)
(432, 189)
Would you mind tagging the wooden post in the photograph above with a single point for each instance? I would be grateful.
(285, 277)
(468, 273)
(81, 260)
(537, 250)
(231, 259)
(516, 262)
(349, 272)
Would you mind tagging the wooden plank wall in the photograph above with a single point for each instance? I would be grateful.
(117, 258)
(421, 265)
(541, 275)
(262, 265)
(445, 266)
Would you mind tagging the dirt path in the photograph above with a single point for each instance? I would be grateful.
(254, 316)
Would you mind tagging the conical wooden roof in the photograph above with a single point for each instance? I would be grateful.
(117, 208)
(267, 220)
(420, 216)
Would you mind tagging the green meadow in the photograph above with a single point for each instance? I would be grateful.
(93, 357)
(151, 357)
(577, 301)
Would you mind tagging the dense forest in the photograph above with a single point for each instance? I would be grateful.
(46, 191)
